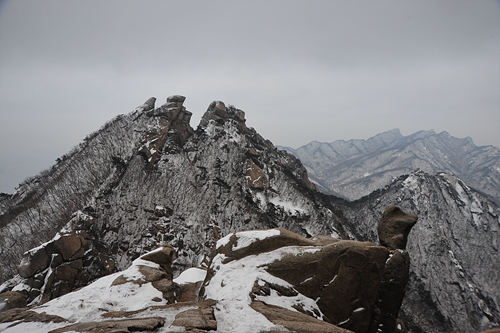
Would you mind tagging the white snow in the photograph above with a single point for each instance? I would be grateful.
(335, 234)
(35, 249)
(245, 238)
(411, 182)
(90, 302)
(191, 275)
(476, 207)
(32, 327)
(389, 258)
(232, 284)
(223, 241)
(287, 206)
(288, 302)
(329, 283)
(306, 280)
(343, 322)
(232, 131)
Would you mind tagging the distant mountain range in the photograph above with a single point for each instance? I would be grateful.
(355, 168)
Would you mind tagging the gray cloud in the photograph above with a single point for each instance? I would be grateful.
(302, 71)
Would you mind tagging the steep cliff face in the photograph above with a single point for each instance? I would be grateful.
(355, 168)
(148, 178)
(454, 247)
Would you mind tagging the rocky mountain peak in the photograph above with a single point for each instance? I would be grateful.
(218, 112)
(172, 123)
(147, 178)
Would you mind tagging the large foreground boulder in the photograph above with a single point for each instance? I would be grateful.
(258, 281)
(358, 286)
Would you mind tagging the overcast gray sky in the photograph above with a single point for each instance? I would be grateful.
(301, 70)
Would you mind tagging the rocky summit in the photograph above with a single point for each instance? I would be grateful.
(140, 227)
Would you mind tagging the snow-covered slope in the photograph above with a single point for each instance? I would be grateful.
(355, 168)
(148, 178)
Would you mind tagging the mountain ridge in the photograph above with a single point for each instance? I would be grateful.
(354, 168)
(148, 179)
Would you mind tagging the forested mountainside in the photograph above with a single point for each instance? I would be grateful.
(148, 178)
(355, 168)
(151, 178)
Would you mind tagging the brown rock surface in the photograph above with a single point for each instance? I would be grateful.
(163, 257)
(356, 285)
(196, 319)
(24, 315)
(394, 227)
(115, 326)
(11, 300)
(295, 321)
(256, 178)
(35, 261)
(68, 245)
(66, 262)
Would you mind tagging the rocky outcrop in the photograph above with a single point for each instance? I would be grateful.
(172, 123)
(261, 280)
(294, 321)
(122, 326)
(358, 286)
(11, 300)
(70, 260)
(143, 297)
(147, 106)
(218, 112)
(256, 178)
(148, 180)
(197, 191)
(394, 227)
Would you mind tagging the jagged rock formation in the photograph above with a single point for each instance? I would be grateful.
(147, 179)
(355, 168)
(454, 279)
(70, 260)
(258, 281)
(141, 298)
